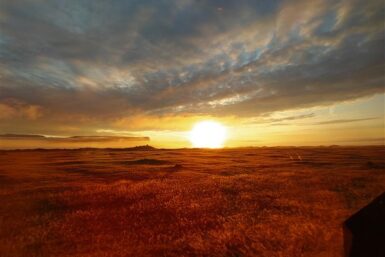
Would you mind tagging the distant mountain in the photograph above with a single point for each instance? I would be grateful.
(100, 138)
(78, 139)
(21, 136)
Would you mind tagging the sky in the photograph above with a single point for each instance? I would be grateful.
(274, 72)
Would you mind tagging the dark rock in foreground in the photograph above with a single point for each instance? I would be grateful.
(364, 232)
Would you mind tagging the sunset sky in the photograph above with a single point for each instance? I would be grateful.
(294, 72)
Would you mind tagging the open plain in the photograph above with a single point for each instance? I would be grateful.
(282, 201)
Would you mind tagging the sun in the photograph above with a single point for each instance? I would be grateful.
(208, 134)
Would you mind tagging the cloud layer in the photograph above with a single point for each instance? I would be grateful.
(101, 61)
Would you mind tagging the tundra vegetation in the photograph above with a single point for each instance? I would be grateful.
(281, 201)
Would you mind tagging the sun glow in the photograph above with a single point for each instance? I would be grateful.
(208, 134)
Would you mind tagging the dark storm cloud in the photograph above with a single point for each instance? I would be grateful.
(103, 60)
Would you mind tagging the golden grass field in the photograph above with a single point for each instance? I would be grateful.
(188, 202)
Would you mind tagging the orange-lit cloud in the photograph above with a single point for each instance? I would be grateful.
(16, 109)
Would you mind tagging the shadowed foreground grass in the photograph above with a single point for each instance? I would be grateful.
(228, 202)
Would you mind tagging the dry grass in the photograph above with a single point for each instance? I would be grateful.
(230, 202)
